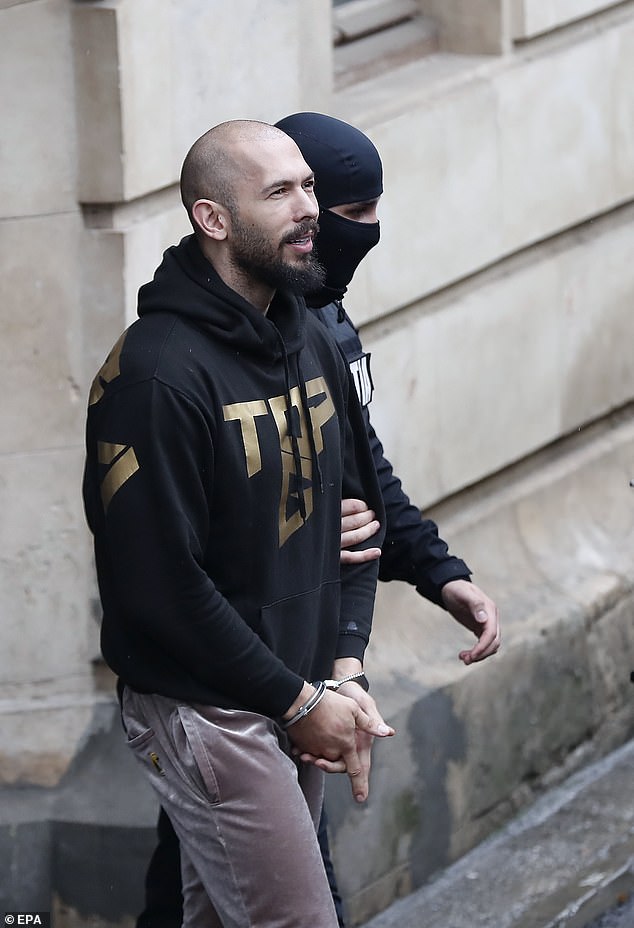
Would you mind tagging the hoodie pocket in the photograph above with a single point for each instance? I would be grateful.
(302, 630)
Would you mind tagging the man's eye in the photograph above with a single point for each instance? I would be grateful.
(309, 185)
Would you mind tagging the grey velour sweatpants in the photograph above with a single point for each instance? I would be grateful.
(244, 811)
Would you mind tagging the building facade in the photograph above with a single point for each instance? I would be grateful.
(497, 309)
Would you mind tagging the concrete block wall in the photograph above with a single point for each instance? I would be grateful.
(101, 101)
(467, 359)
(530, 17)
(500, 155)
(152, 76)
(497, 321)
(496, 308)
(49, 633)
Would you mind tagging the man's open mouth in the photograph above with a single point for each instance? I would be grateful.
(302, 236)
(303, 244)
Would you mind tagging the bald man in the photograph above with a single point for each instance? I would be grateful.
(222, 431)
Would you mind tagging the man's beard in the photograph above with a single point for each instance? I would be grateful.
(253, 252)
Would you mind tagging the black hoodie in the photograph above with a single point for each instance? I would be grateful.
(215, 511)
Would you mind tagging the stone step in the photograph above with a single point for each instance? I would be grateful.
(566, 860)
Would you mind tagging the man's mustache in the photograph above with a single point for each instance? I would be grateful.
(301, 230)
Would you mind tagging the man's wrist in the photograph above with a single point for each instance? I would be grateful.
(302, 698)
(345, 666)
(319, 691)
(359, 678)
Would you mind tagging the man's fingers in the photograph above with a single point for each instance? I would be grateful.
(355, 769)
(351, 506)
(358, 524)
(370, 720)
(328, 766)
(355, 535)
(357, 520)
(487, 646)
(358, 776)
(379, 729)
(360, 557)
(374, 725)
(338, 736)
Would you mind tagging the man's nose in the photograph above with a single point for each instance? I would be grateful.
(305, 205)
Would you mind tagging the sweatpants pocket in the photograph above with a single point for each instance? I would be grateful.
(193, 753)
(140, 740)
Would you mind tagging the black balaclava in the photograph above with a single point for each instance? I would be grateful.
(347, 169)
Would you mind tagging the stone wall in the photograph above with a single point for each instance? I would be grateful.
(497, 308)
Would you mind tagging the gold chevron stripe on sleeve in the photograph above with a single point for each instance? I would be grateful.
(110, 370)
(123, 463)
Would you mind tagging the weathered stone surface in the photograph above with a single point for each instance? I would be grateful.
(49, 634)
(558, 865)
(135, 129)
(126, 247)
(482, 159)
(488, 373)
(472, 28)
(40, 349)
(532, 17)
(37, 110)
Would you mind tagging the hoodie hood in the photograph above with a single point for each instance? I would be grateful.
(187, 285)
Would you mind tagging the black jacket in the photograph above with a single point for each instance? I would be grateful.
(215, 509)
(412, 550)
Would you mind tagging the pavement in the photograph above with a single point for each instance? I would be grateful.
(567, 862)
(621, 916)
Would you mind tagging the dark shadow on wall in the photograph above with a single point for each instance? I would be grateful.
(82, 847)
(437, 737)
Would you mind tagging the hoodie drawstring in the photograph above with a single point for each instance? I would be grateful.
(294, 432)
(311, 437)
(293, 421)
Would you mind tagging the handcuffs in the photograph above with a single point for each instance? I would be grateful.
(320, 691)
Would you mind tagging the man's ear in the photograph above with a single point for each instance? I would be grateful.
(211, 218)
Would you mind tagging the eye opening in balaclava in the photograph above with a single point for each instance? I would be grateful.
(347, 169)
